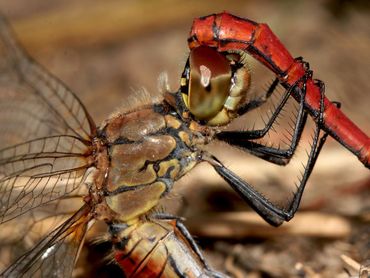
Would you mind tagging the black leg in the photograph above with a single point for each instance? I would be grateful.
(270, 212)
(184, 231)
(259, 133)
(271, 154)
(253, 198)
(256, 134)
(186, 234)
(260, 101)
(316, 148)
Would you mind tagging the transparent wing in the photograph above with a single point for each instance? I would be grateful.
(40, 96)
(45, 133)
(54, 255)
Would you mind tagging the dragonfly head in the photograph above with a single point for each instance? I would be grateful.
(213, 86)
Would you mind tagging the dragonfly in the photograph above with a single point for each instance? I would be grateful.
(231, 34)
(52, 152)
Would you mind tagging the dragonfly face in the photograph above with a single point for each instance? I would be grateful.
(214, 86)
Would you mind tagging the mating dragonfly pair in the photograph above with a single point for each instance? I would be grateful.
(51, 149)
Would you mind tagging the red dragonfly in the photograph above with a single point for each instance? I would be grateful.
(52, 152)
(231, 34)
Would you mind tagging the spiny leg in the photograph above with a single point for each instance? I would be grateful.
(259, 101)
(270, 212)
(257, 134)
(271, 154)
(186, 234)
(314, 152)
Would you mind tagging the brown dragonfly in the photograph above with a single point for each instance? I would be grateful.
(52, 152)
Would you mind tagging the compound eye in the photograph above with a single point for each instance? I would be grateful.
(209, 82)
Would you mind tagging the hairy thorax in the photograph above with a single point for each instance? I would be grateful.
(146, 152)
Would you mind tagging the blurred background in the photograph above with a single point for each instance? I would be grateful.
(107, 51)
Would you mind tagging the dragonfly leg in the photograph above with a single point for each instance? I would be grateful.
(270, 212)
(267, 210)
(259, 101)
(295, 89)
(186, 234)
(316, 148)
(271, 154)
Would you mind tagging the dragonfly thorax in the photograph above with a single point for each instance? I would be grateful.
(148, 150)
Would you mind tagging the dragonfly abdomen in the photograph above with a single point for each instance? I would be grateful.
(157, 248)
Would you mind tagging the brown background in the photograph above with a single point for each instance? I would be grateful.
(108, 50)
